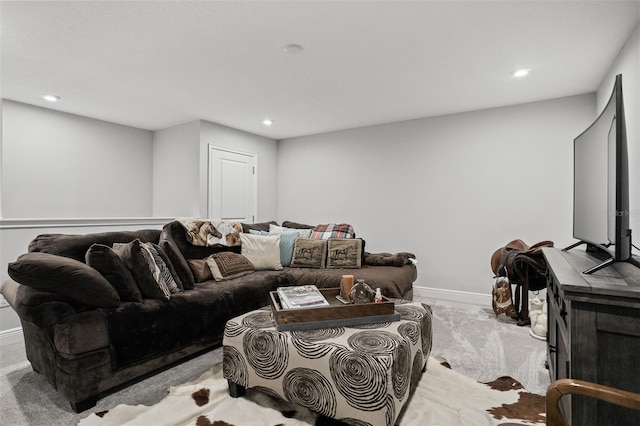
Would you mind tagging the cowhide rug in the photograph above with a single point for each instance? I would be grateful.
(443, 397)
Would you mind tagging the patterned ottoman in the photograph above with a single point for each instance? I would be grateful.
(361, 375)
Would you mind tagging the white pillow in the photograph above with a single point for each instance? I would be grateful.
(302, 233)
(262, 250)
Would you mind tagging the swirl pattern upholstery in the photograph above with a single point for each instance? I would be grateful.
(361, 375)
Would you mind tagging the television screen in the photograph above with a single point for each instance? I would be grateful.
(601, 184)
(592, 190)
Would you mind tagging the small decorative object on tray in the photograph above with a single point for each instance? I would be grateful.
(304, 296)
(362, 293)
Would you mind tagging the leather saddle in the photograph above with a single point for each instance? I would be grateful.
(526, 267)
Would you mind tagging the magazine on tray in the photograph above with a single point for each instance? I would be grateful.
(304, 296)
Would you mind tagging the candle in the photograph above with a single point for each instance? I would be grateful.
(345, 287)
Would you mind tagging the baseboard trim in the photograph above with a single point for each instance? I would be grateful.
(453, 295)
(11, 336)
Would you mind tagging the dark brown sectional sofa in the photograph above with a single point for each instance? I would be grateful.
(87, 333)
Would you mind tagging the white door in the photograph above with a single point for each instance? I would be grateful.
(232, 185)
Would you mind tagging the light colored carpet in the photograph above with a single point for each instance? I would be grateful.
(483, 347)
(470, 337)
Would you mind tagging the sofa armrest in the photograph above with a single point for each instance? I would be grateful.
(73, 329)
(9, 290)
(43, 308)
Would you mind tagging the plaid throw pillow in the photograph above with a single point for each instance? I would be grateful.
(331, 230)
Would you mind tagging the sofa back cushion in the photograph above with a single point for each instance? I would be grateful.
(76, 246)
(65, 276)
(262, 226)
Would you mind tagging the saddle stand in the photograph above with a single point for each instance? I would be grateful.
(525, 267)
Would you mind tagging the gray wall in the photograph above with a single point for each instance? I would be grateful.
(176, 179)
(450, 189)
(58, 165)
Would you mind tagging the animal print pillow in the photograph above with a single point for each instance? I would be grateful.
(309, 253)
(344, 253)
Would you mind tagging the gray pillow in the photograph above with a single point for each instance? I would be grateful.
(112, 267)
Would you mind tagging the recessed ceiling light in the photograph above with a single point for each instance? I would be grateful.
(50, 98)
(520, 72)
(267, 122)
(293, 49)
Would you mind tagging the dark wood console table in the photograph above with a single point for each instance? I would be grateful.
(594, 332)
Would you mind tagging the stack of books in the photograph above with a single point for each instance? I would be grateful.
(304, 296)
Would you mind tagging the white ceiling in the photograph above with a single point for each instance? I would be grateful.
(154, 64)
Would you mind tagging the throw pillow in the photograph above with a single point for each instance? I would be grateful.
(344, 253)
(169, 264)
(155, 272)
(162, 273)
(309, 253)
(110, 265)
(262, 250)
(331, 230)
(134, 257)
(200, 269)
(182, 269)
(287, 239)
(303, 233)
(64, 276)
(228, 265)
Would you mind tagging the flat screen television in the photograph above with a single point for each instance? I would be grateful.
(601, 185)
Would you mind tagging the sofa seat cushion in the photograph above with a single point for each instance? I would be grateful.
(394, 282)
(141, 331)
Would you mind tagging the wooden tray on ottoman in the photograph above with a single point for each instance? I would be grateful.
(337, 314)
